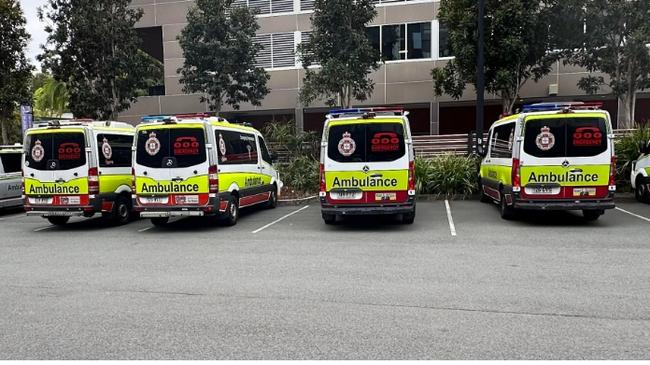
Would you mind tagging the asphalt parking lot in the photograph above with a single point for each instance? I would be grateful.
(282, 285)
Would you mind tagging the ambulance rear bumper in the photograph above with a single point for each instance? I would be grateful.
(384, 209)
(603, 204)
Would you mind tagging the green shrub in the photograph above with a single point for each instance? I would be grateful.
(627, 150)
(300, 174)
(447, 175)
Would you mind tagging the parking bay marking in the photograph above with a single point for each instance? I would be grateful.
(43, 228)
(452, 226)
(634, 215)
(280, 219)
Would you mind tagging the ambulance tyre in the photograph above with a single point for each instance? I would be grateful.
(273, 198)
(507, 212)
(329, 218)
(160, 222)
(640, 192)
(58, 221)
(121, 211)
(408, 218)
(592, 215)
(232, 213)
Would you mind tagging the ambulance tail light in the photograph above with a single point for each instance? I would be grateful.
(213, 179)
(133, 180)
(323, 189)
(22, 183)
(516, 175)
(612, 175)
(411, 184)
(93, 181)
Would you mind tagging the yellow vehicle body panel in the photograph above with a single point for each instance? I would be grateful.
(583, 175)
(77, 186)
(386, 180)
(108, 184)
(192, 185)
(243, 180)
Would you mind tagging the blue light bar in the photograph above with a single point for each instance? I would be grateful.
(153, 118)
(543, 107)
(337, 112)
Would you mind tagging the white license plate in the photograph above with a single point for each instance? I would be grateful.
(578, 192)
(347, 195)
(186, 199)
(385, 197)
(41, 201)
(154, 200)
(70, 200)
(543, 190)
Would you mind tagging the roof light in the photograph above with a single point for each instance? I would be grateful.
(561, 106)
(366, 111)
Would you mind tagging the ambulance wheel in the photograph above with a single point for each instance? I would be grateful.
(507, 212)
(408, 218)
(160, 222)
(484, 197)
(58, 221)
(640, 192)
(592, 215)
(329, 218)
(121, 211)
(232, 212)
(273, 198)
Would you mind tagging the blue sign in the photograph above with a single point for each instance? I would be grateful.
(26, 117)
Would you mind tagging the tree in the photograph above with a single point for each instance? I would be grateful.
(51, 99)
(219, 49)
(93, 47)
(517, 47)
(15, 70)
(340, 47)
(615, 43)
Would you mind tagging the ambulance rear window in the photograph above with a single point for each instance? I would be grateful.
(171, 147)
(56, 151)
(377, 142)
(565, 137)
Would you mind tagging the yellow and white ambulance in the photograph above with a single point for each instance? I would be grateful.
(551, 156)
(640, 176)
(196, 165)
(367, 164)
(78, 168)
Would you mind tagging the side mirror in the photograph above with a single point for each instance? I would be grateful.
(480, 150)
(642, 147)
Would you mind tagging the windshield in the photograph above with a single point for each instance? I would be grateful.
(171, 147)
(376, 142)
(55, 151)
(565, 137)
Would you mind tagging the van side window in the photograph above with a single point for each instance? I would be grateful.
(236, 148)
(502, 140)
(266, 156)
(11, 161)
(114, 150)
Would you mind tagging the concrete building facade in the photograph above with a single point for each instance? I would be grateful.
(408, 34)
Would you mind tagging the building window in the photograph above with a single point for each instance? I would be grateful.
(265, 7)
(278, 50)
(402, 41)
(418, 40)
(444, 43)
(393, 42)
(306, 5)
(374, 35)
(152, 44)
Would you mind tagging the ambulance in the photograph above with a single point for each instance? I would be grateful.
(367, 164)
(551, 156)
(197, 165)
(640, 177)
(10, 176)
(78, 168)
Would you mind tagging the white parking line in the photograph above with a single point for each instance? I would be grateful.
(43, 228)
(280, 219)
(452, 226)
(145, 229)
(634, 215)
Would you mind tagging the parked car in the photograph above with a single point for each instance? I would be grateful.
(367, 165)
(10, 176)
(552, 156)
(640, 177)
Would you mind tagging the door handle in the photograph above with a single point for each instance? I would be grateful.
(60, 181)
(177, 179)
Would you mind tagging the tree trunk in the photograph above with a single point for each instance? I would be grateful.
(5, 134)
(626, 111)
